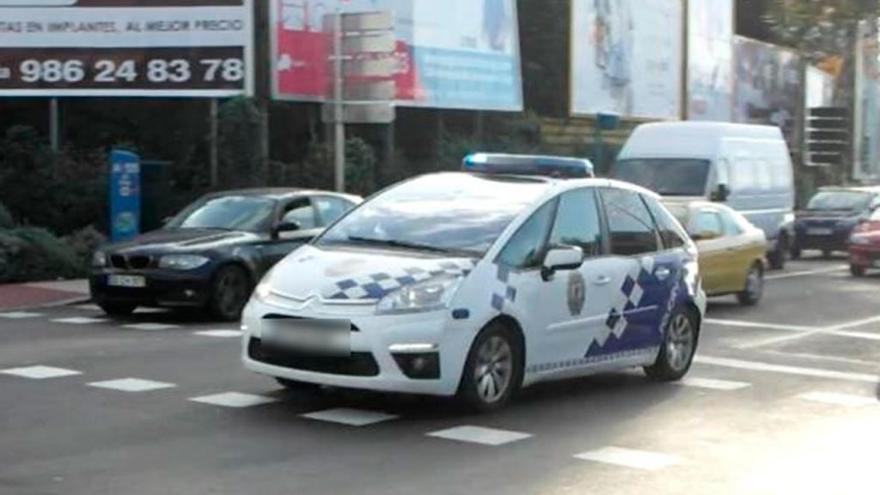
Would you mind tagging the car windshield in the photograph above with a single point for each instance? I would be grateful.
(248, 213)
(665, 176)
(839, 200)
(452, 212)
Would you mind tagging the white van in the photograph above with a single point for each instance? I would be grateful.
(747, 167)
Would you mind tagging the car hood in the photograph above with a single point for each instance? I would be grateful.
(172, 240)
(338, 274)
(826, 214)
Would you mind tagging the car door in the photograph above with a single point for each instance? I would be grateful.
(640, 277)
(707, 230)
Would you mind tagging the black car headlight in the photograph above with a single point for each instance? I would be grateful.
(183, 261)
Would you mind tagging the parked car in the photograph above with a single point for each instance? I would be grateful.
(746, 167)
(731, 249)
(213, 252)
(476, 283)
(864, 245)
(830, 217)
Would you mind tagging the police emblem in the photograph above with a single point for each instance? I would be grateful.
(577, 293)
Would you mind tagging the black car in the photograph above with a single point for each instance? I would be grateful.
(831, 215)
(213, 252)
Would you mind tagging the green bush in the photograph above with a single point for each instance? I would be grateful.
(360, 167)
(6, 221)
(28, 253)
(84, 242)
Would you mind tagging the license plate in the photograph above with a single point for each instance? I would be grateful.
(309, 337)
(130, 281)
(820, 231)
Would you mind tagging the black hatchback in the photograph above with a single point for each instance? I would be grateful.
(213, 252)
(830, 217)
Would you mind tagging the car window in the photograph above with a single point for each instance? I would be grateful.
(671, 233)
(708, 222)
(630, 224)
(330, 209)
(250, 213)
(302, 213)
(731, 225)
(577, 222)
(526, 248)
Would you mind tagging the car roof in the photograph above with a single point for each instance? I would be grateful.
(279, 193)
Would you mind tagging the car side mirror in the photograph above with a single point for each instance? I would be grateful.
(287, 226)
(721, 193)
(561, 258)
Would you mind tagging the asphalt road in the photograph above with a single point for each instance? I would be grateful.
(783, 399)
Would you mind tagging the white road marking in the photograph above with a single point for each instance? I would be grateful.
(713, 384)
(818, 357)
(805, 273)
(858, 335)
(834, 330)
(79, 320)
(88, 307)
(39, 372)
(760, 325)
(220, 334)
(234, 399)
(840, 399)
(636, 459)
(150, 327)
(132, 385)
(857, 323)
(19, 315)
(350, 417)
(480, 435)
(789, 370)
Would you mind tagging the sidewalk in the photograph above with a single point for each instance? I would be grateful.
(36, 294)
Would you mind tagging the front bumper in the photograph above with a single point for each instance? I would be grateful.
(373, 365)
(864, 255)
(164, 288)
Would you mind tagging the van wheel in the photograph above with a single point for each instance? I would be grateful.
(493, 371)
(754, 288)
(678, 347)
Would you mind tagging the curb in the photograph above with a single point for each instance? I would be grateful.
(83, 299)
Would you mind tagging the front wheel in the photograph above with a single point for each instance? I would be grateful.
(857, 271)
(229, 293)
(678, 348)
(493, 371)
(776, 258)
(754, 288)
(117, 308)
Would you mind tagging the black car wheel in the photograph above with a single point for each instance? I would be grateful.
(117, 308)
(229, 293)
(776, 258)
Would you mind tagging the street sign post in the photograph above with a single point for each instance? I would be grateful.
(125, 195)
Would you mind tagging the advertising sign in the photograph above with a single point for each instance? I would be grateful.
(769, 87)
(126, 48)
(450, 54)
(626, 58)
(710, 60)
(866, 152)
(125, 195)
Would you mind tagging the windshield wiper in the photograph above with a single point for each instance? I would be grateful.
(406, 245)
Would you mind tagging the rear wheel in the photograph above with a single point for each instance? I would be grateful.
(776, 258)
(494, 369)
(117, 308)
(229, 293)
(857, 271)
(678, 348)
(754, 288)
(795, 252)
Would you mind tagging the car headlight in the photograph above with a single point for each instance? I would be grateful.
(182, 261)
(429, 295)
(99, 259)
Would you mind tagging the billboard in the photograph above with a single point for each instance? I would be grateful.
(866, 146)
(450, 54)
(710, 60)
(126, 47)
(626, 58)
(769, 87)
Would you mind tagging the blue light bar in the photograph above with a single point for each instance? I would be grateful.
(547, 166)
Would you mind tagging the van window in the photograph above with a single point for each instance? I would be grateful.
(665, 176)
(629, 223)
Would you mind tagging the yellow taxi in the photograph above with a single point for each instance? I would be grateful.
(731, 249)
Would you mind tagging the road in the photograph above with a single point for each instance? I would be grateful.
(782, 399)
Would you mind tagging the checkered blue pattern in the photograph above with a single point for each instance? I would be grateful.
(506, 292)
(629, 298)
(379, 285)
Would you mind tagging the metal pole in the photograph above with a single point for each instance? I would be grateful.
(54, 125)
(339, 135)
(214, 144)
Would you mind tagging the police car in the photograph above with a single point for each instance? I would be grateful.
(514, 271)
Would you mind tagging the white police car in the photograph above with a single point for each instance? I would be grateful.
(479, 282)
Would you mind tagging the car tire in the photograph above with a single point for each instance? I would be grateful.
(754, 288)
(857, 271)
(795, 252)
(679, 346)
(230, 291)
(296, 386)
(493, 371)
(776, 258)
(118, 309)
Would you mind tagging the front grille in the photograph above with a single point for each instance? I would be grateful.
(358, 364)
(118, 261)
(139, 262)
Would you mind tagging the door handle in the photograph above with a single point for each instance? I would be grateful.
(662, 273)
(602, 280)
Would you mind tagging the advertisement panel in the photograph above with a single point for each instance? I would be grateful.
(866, 152)
(710, 60)
(626, 58)
(451, 54)
(125, 195)
(769, 87)
(126, 48)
